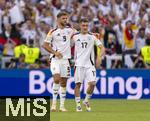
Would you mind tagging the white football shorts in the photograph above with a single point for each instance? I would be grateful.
(60, 66)
(84, 73)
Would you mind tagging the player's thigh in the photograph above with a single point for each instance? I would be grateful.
(65, 70)
(55, 67)
(79, 74)
(91, 75)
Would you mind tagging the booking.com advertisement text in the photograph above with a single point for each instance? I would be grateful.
(114, 84)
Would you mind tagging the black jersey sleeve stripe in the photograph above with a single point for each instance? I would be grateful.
(75, 34)
(53, 30)
(90, 33)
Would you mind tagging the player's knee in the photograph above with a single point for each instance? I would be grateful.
(57, 78)
(63, 82)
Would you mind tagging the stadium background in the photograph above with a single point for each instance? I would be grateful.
(26, 23)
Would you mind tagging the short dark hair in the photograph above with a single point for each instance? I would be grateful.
(62, 13)
(148, 41)
(84, 20)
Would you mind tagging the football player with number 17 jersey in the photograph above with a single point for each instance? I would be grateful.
(84, 62)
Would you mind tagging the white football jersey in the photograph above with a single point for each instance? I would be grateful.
(84, 49)
(60, 40)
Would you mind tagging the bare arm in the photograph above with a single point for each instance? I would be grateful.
(48, 48)
(102, 48)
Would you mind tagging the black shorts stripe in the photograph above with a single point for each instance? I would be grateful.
(91, 60)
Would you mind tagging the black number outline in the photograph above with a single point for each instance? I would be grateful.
(84, 44)
(64, 38)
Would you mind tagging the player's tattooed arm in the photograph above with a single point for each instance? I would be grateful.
(48, 48)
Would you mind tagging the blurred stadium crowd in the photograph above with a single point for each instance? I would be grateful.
(122, 25)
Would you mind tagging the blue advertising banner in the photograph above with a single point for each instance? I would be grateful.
(120, 84)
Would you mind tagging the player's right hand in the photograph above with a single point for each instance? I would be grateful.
(59, 55)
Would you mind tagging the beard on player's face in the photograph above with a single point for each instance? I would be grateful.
(63, 20)
(64, 23)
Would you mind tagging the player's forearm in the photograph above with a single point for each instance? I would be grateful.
(48, 48)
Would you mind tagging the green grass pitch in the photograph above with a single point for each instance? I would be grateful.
(106, 110)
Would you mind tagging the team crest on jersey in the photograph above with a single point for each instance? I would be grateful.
(78, 40)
